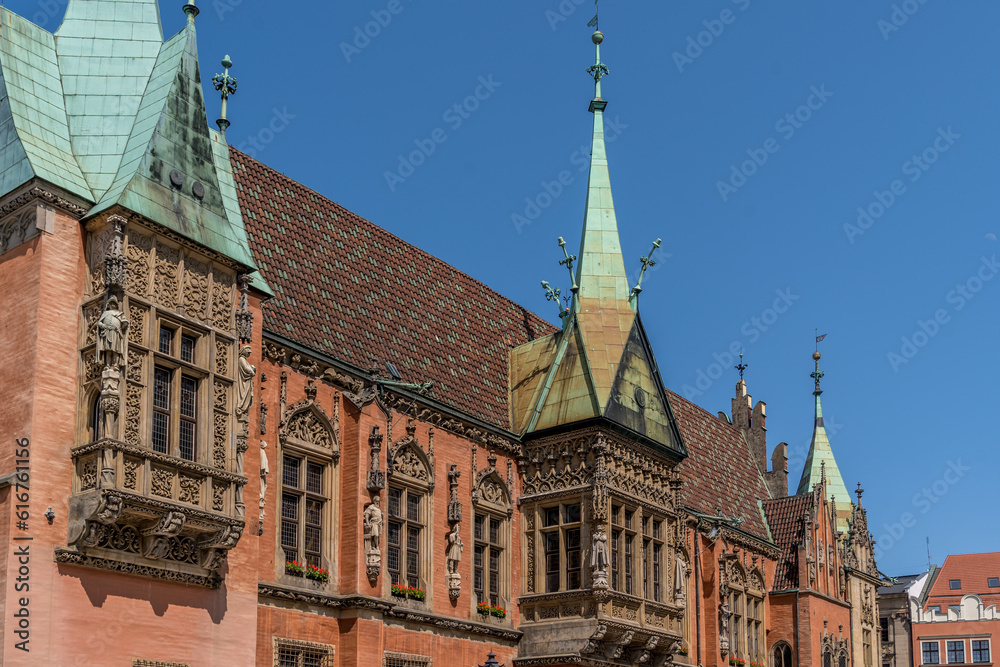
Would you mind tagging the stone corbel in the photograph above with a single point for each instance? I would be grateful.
(212, 552)
(615, 650)
(89, 511)
(156, 537)
(594, 643)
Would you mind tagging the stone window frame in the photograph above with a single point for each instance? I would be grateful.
(425, 524)
(654, 546)
(330, 459)
(325, 651)
(562, 528)
(621, 547)
(303, 495)
(394, 659)
(786, 657)
(748, 614)
(492, 500)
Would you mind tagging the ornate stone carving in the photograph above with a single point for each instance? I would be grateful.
(156, 537)
(91, 314)
(111, 329)
(220, 440)
(17, 229)
(222, 357)
(131, 470)
(265, 470)
(190, 489)
(599, 558)
(162, 483)
(375, 480)
(244, 318)
(222, 300)
(110, 403)
(307, 422)
(218, 496)
(88, 474)
(594, 643)
(221, 394)
(453, 559)
(115, 263)
(71, 557)
(133, 413)
(372, 519)
(133, 372)
(680, 578)
(273, 352)
(529, 527)
(244, 385)
(212, 551)
(137, 253)
(195, 288)
(454, 504)
(165, 278)
(407, 458)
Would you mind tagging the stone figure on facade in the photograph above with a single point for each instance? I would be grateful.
(112, 328)
(680, 578)
(265, 470)
(724, 615)
(599, 558)
(244, 387)
(373, 524)
(455, 546)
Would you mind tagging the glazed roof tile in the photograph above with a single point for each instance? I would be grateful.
(719, 473)
(351, 290)
(784, 516)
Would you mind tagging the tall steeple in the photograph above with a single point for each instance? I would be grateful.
(599, 367)
(821, 466)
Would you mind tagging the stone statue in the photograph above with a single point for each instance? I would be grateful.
(680, 578)
(599, 558)
(724, 616)
(111, 329)
(373, 524)
(454, 556)
(244, 389)
(265, 470)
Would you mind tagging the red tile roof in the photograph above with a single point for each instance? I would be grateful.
(973, 572)
(351, 290)
(784, 516)
(719, 473)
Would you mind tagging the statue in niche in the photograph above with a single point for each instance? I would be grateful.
(599, 558)
(244, 389)
(111, 330)
(680, 578)
(373, 524)
(265, 470)
(455, 546)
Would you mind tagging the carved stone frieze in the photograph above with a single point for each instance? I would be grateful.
(223, 289)
(73, 557)
(406, 457)
(165, 281)
(18, 228)
(195, 285)
(138, 253)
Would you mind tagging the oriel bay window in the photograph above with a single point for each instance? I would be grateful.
(653, 563)
(560, 535)
(405, 533)
(488, 558)
(303, 500)
(176, 382)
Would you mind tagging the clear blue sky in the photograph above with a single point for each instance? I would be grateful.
(891, 86)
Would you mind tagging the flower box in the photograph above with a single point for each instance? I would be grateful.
(412, 592)
(320, 574)
(294, 568)
(737, 662)
(486, 609)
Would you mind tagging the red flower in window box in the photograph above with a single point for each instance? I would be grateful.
(294, 568)
(317, 573)
(737, 662)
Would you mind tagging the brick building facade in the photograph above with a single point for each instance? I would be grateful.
(272, 433)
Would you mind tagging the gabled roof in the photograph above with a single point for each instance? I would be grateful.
(108, 112)
(351, 290)
(719, 473)
(784, 516)
(972, 571)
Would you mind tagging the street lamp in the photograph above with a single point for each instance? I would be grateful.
(491, 661)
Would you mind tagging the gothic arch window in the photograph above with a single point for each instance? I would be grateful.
(310, 450)
(842, 661)
(781, 655)
(755, 615)
(492, 508)
(408, 532)
(827, 658)
(747, 605)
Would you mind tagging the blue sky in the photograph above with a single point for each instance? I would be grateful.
(892, 110)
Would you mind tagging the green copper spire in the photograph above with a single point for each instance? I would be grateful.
(821, 466)
(601, 270)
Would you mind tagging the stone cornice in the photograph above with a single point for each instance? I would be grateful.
(388, 609)
(173, 461)
(39, 191)
(68, 556)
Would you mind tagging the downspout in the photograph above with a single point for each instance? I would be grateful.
(697, 588)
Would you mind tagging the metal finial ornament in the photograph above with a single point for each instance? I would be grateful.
(491, 661)
(191, 10)
(552, 294)
(741, 366)
(568, 263)
(817, 374)
(859, 492)
(647, 261)
(226, 85)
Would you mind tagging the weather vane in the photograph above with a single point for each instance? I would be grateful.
(595, 22)
(741, 366)
(225, 84)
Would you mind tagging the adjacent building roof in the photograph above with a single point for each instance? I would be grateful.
(720, 476)
(108, 112)
(902, 583)
(971, 573)
(784, 516)
(351, 290)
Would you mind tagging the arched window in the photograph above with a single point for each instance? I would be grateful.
(781, 655)
(410, 481)
(827, 658)
(491, 504)
(843, 660)
(747, 605)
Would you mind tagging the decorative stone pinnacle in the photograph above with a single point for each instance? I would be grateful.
(311, 391)
(226, 85)
(859, 492)
(568, 263)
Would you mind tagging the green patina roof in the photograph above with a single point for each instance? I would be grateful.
(601, 364)
(107, 111)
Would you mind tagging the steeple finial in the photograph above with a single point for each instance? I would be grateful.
(226, 85)
(646, 261)
(817, 374)
(859, 492)
(741, 366)
(191, 10)
(568, 263)
(598, 70)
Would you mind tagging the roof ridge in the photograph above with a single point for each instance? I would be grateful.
(411, 246)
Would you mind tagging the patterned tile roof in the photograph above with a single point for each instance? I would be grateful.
(351, 290)
(719, 472)
(784, 517)
(973, 572)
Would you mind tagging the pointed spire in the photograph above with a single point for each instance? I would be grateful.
(601, 270)
(226, 85)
